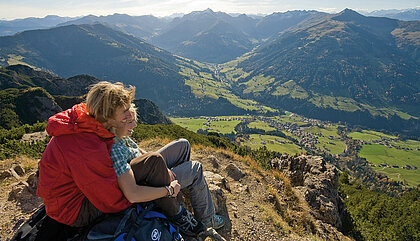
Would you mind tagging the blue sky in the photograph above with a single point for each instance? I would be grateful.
(12, 9)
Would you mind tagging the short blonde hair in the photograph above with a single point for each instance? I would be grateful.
(104, 98)
(133, 111)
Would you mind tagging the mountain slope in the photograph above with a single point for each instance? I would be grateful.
(140, 26)
(102, 52)
(342, 67)
(28, 96)
(21, 76)
(19, 25)
(111, 55)
(216, 45)
(189, 35)
(405, 14)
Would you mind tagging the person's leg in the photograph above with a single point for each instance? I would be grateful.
(176, 152)
(87, 214)
(190, 176)
(150, 169)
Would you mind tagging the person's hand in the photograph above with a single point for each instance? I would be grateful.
(176, 187)
(171, 175)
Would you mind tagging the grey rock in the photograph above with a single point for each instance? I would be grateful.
(214, 161)
(317, 181)
(234, 172)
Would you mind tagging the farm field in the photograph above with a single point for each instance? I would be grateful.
(379, 154)
(327, 131)
(332, 146)
(378, 148)
(261, 125)
(411, 177)
(273, 143)
(189, 123)
(370, 136)
(219, 125)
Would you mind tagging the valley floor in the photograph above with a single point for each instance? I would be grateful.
(293, 134)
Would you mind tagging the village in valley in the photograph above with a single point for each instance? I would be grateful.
(295, 134)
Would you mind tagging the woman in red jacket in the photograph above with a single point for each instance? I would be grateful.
(77, 181)
(76, 178)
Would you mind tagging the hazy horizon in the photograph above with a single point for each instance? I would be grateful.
(162, 8)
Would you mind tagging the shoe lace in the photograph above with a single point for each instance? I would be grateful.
(188, 221)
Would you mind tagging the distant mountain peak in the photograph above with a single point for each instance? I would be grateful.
(207, 11)
(349, 12)
(348, 15)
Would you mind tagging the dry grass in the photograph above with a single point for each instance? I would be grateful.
(273, 217)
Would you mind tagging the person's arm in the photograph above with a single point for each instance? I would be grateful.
(136, 193)
(142, 151)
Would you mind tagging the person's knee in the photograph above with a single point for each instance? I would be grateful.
(155, 157)
(184, 142)
(152, 158)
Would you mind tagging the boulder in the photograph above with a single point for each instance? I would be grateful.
(216, 179)
(214, 161)
(216, 182)
(234, 172)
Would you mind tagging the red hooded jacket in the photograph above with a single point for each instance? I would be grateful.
(76, 164)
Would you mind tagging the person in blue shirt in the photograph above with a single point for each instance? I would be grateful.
(159, 176)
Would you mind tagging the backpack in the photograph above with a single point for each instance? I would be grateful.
(40, 227)
(134, 224)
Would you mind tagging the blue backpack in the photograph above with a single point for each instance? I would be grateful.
(134, 224)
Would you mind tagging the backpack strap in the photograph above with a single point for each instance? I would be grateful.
(136, 225)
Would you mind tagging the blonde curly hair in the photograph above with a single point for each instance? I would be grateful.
(104, 98)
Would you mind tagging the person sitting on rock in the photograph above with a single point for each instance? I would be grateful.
(135, 168)
(77, 181)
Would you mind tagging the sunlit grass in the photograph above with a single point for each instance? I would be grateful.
(378, 154)
(261, 125)
(273, 143)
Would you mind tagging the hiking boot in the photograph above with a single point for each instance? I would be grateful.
(215, 222)
(187, 224)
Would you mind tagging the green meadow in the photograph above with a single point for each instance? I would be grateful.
(370, 135)
(190, 123)
(221, 126)
(332, 146)
(378, 154)
(291, 118)
(261, 125)
(329, 141)
(412, 177)
(273, 143)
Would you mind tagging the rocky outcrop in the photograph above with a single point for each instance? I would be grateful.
(317, 181)
(18, 76)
